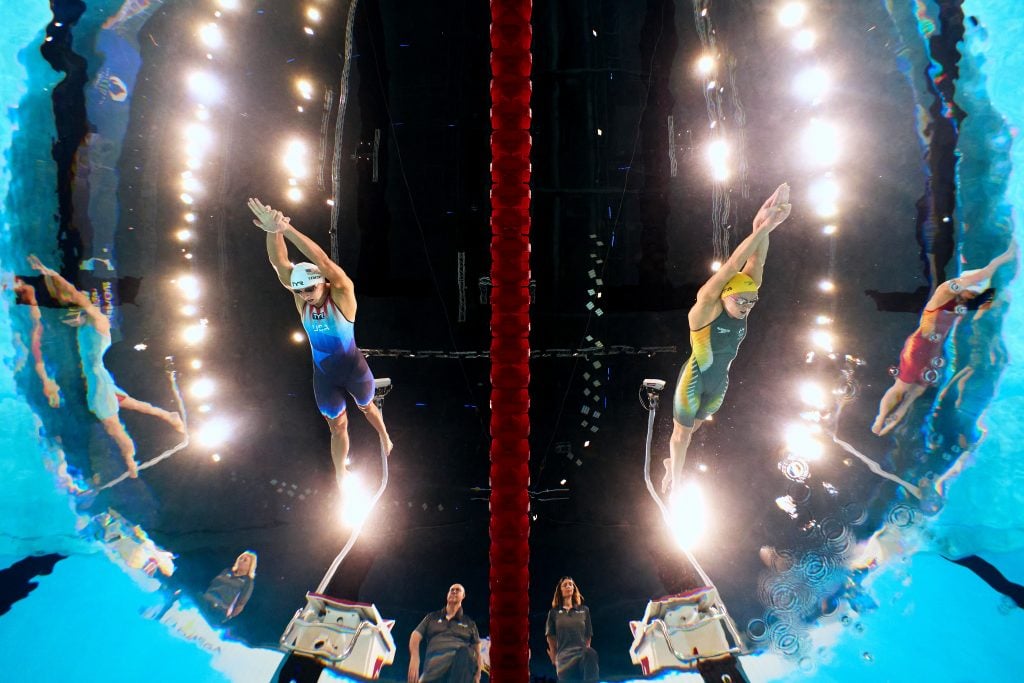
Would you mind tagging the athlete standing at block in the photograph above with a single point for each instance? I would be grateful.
(718, 323)
(325, 299)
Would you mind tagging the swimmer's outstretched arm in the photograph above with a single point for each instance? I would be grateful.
(64, 290)
(279, 227)
(50, 387)
(750, 253)
(944, 293)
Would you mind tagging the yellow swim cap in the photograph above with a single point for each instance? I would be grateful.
(739, 284)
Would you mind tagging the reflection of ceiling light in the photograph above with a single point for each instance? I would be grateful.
(215, 432)
(202, 388)
(812, 84)
(305, 88)
(792, 14)
(826, 286)
(294, 194)
(718, 155)
(298, 337)
(822, 339)
(821, 144)
(805, 39)
(705, 65)
(824, 195)
(193, 334)
(829, 229)
(812, 395)
(189, 286)
(211, 36)
(183, 235)
(204, 87)
(313, 14)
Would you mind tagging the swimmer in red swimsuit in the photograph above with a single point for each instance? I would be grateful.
(922, 352)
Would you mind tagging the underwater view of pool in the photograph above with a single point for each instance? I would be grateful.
(852, 508)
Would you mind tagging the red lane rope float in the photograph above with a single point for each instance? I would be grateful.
(510, 339)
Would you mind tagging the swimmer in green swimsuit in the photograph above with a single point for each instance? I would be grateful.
(104, 397)
(718, 323)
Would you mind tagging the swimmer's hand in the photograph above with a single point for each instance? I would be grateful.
(774, 210)
(52, 392)
(267, 218)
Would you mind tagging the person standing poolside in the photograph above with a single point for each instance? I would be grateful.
(922, 352)
(105, 399)
(718, 323)
(325, 298)
(229, 592)
(453, 644)
(569, 632)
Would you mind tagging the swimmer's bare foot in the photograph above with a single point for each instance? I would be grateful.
(176, 422)
(666, 479)
(388, 445)
(887, 425)
(133, 467)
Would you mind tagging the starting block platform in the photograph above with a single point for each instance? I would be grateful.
(347, 637)
(677, 631)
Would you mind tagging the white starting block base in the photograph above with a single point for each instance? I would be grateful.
(678, 630)
(348, 637)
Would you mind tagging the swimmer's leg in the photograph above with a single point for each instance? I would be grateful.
(376, 420)
(124, 442)
(686, 403)
(678, 444)
(360, 385)
(171, 418)
(907, 395)
(889, 401)
(339, 445)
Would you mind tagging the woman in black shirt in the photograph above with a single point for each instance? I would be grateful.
(569, 632)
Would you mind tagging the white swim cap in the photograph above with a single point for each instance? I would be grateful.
(306, 275)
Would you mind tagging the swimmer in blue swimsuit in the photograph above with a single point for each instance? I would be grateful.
(104, 397)
(718, 323)
(326, 301)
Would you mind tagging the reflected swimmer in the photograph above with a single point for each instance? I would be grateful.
(325, 299)
(105, 399)
(921, 357)
(26, 294)
(718, 323)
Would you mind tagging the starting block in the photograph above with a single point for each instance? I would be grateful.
(130, 544)
(678, 631)
(347, 637)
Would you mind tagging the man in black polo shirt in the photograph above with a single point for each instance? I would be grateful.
(453, 644)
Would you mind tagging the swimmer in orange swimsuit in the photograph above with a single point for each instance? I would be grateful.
(922, 352)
